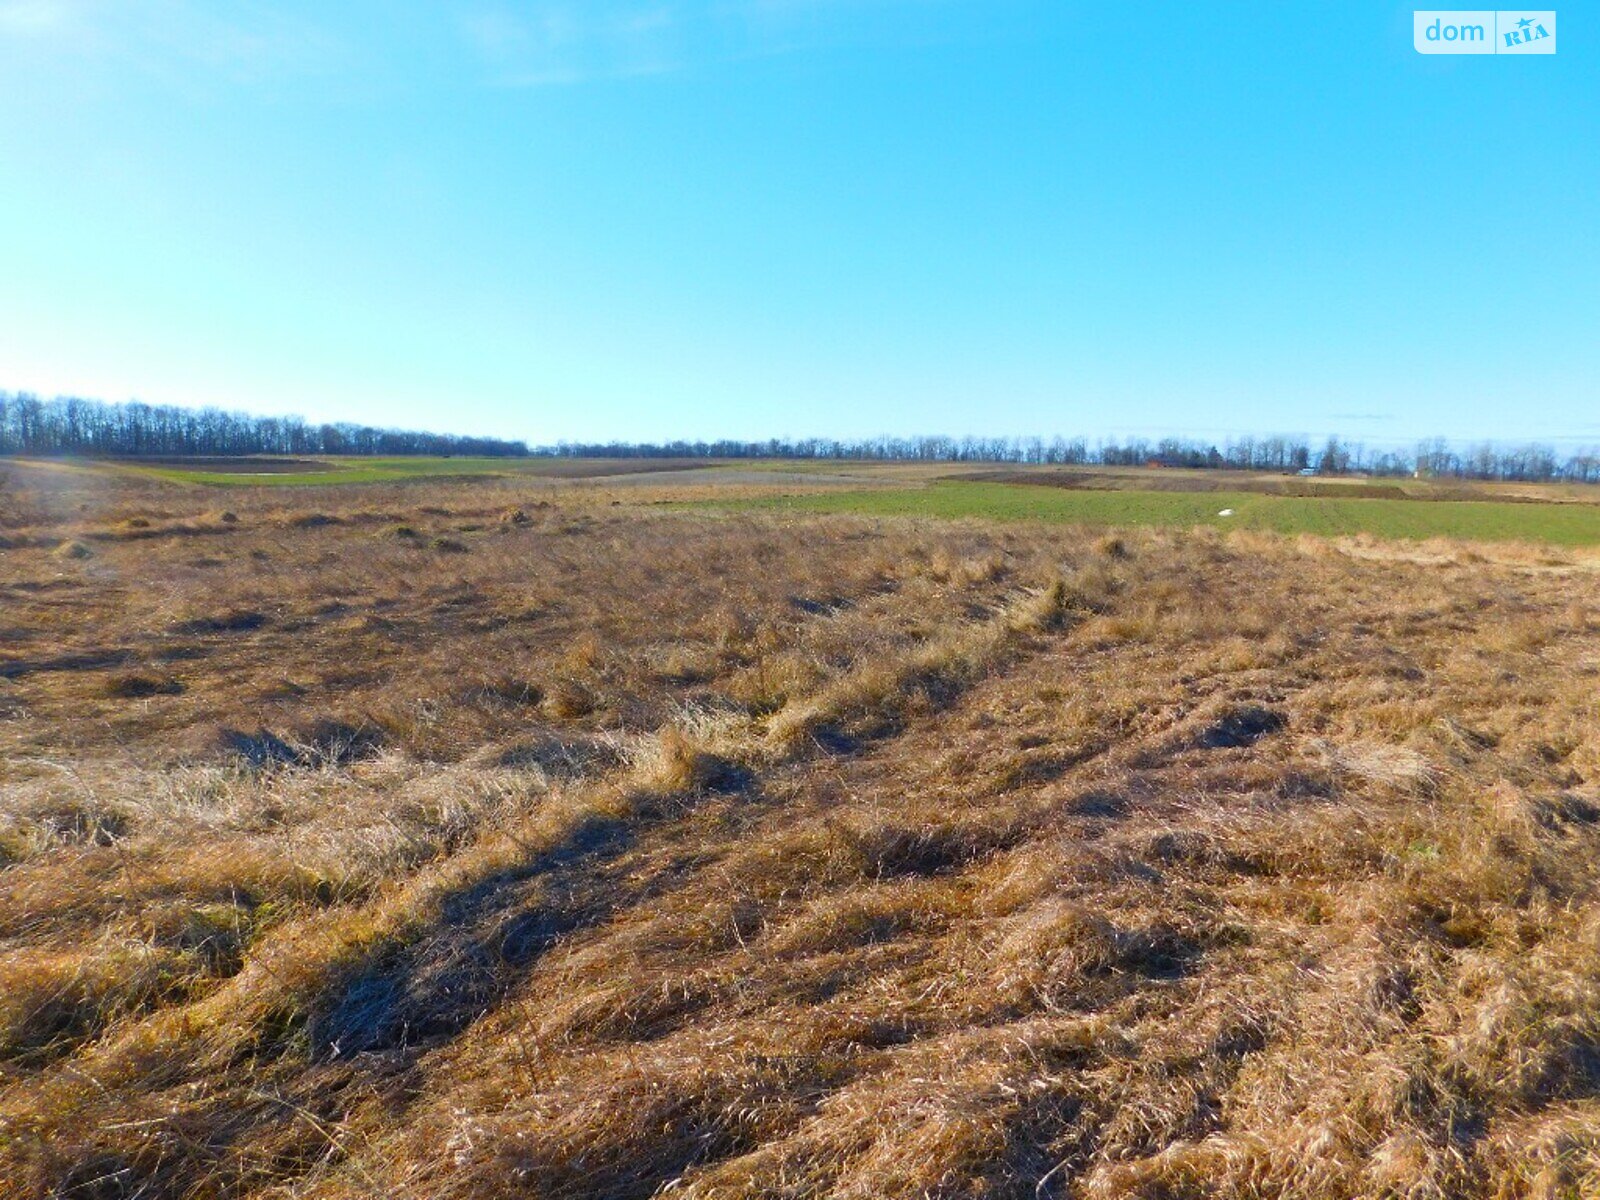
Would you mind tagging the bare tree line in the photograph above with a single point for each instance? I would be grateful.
(1435, 457)
(69, 425)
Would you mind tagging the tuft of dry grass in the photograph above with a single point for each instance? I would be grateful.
(140, 687)
(640, 853)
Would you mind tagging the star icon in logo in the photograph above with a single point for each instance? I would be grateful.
(1525, 22)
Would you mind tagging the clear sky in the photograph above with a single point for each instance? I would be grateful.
(646, 219)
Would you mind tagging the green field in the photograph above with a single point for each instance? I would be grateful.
(1556, 524)
(913, 493)
(344, 470)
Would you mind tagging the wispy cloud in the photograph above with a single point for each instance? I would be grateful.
(555, 43)
(512, 43)
(38, 19)
(177, 38)
(566, 41)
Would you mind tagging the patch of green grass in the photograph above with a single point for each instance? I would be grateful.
(359, 470)
(1555, 524)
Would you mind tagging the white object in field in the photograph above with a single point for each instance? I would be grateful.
(1227, 512)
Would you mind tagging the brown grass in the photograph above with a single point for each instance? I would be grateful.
(628, 853)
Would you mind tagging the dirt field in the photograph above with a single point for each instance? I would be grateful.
(521, 838)
(239, 464)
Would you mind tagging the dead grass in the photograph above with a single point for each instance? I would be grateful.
(630, 853)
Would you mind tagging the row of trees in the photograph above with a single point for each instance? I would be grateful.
(68, 425)
(1334, 457)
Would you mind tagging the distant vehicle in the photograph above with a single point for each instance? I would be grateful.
(1308, 471)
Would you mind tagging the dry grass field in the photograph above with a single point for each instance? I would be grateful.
(514, 837)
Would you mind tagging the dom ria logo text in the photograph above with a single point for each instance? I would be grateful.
(1484, 32)
(1527, 31)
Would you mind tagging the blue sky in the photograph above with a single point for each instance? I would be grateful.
(569, 220)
